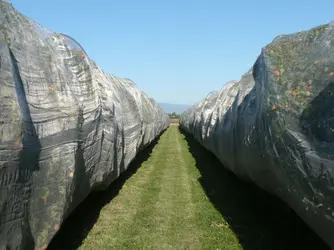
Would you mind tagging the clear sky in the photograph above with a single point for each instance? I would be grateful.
(176, 51)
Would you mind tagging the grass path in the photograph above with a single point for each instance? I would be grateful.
(161, 206)
(181, 198)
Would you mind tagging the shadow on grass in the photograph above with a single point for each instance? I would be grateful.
(258, 219)
(77, 226)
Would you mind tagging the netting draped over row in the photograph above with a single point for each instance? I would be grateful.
(66, 128)
(275, 127)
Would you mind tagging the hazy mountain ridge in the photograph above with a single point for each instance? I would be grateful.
(177, 108)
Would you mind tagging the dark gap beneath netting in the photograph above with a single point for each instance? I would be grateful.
(79, 223)
(259, 219)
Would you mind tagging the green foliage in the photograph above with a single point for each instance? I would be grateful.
(173, 115)
(77, 53)
(53, 89)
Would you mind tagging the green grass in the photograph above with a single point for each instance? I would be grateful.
(182, 198)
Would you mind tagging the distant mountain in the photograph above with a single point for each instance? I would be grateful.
(177, 108)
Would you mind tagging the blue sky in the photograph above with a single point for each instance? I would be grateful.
(176, 51)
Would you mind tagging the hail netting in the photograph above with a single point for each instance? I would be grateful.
(275, 126)
(66, 128)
